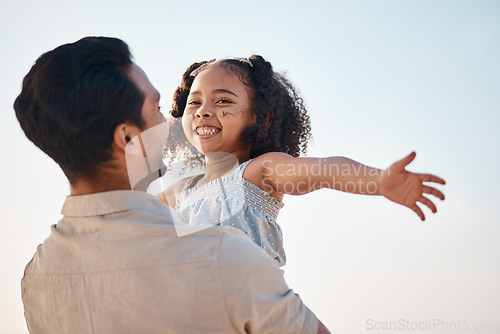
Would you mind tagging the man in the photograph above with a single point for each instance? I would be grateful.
(114, 263)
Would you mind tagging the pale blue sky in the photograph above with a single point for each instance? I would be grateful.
(379, 78)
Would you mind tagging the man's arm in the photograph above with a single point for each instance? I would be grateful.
(256, 296)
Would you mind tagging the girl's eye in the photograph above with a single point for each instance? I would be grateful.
(223, 100)
(193, 102)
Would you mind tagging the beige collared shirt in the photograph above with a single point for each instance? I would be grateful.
(114, 264)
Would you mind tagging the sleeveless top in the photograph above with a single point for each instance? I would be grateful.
(232, 200)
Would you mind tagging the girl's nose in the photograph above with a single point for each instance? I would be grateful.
(203, 112)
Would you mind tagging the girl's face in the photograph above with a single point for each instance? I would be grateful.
(218, 110)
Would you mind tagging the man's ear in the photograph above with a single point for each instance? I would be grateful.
(123, 134)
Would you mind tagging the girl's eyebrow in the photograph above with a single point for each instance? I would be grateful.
(219, 90)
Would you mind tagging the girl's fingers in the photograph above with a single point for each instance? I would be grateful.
(427, 202)
(431, 178)
(433, 191)
(418, 211)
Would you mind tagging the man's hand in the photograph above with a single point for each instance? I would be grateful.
(407, 188)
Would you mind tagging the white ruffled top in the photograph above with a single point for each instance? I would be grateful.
(232, 200)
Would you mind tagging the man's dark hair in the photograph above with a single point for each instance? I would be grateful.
(73, 98)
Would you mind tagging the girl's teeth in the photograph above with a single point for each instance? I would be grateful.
(207, 131)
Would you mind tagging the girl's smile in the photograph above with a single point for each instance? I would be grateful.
(218, 110)
(204, 131)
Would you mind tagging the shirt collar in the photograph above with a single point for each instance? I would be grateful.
(104, 203)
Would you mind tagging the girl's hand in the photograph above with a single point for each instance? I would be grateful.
(407, 188)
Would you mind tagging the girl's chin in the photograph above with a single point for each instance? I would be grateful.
(218, 155)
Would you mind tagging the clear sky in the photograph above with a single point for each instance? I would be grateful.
(379, 79)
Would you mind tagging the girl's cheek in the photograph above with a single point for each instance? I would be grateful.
(187, 123)
(231, 112)
(245, 113)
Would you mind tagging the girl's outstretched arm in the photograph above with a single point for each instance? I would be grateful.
(280, 173)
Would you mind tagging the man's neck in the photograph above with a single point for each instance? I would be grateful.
(105, 181)
(83, 188)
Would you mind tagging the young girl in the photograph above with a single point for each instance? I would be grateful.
(248, 126)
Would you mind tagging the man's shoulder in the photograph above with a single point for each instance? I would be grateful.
(223, 240)
(227, 247)
(238, 253)
(109, 245)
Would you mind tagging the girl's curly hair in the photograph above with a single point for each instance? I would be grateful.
(282, 123)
